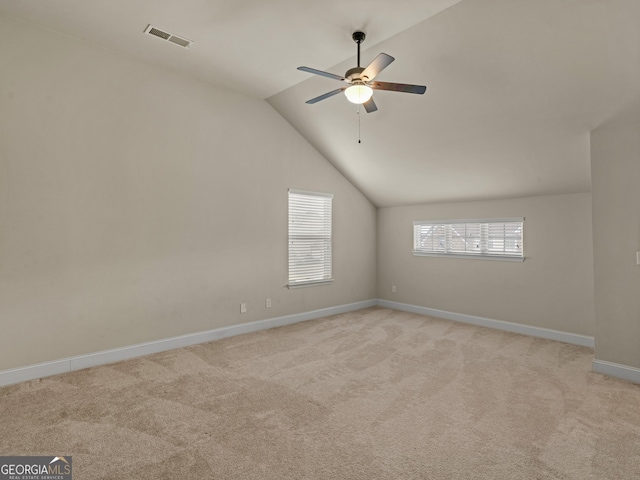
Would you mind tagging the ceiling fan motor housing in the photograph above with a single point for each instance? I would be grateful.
(354, 74)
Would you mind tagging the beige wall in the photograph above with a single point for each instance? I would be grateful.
(130, 198)
(552, 288)
(137, 204)
(615, 171)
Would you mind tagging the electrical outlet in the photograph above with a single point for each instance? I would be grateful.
(267, 303)
(243, 308)
(393, 289)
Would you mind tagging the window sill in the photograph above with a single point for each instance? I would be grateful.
(309, 284)
(500, 258)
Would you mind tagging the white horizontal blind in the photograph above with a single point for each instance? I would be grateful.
(504, 238)
(464, 238)
(483, 238)
(309, 237)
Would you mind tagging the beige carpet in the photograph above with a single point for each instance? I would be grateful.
(373, 394)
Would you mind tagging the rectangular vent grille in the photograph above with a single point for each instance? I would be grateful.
(170, 37)
(179, 41)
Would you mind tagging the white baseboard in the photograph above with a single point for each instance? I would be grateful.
(549, 334)
(31, 372)
(624, 372)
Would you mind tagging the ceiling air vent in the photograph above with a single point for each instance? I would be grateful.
(170, 37)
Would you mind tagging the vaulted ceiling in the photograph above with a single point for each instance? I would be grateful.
(513, 86)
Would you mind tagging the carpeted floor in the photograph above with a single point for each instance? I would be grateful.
(372, 394)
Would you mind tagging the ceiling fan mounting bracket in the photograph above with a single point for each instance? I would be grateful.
(358, 37)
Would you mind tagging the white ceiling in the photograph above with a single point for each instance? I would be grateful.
(513, 86)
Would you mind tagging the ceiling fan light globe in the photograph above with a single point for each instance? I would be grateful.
(358, 94)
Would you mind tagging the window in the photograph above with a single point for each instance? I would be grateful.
(309, 238)
(492, 238)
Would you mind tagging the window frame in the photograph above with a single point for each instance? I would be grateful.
(320, 231)
(481, 251)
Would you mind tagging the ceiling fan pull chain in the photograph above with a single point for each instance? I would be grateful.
(358, 113)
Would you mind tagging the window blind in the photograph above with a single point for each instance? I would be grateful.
(499, 238)
(309, 237)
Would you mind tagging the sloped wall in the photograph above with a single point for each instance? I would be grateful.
(137, 204)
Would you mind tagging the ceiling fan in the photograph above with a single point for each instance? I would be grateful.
(360, 80)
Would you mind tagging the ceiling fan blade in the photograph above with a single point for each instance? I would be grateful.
(370, 106)
(324, 74)
(398, 87)
(379, 63)
(326, 95)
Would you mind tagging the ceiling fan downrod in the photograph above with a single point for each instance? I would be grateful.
(358, 37)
